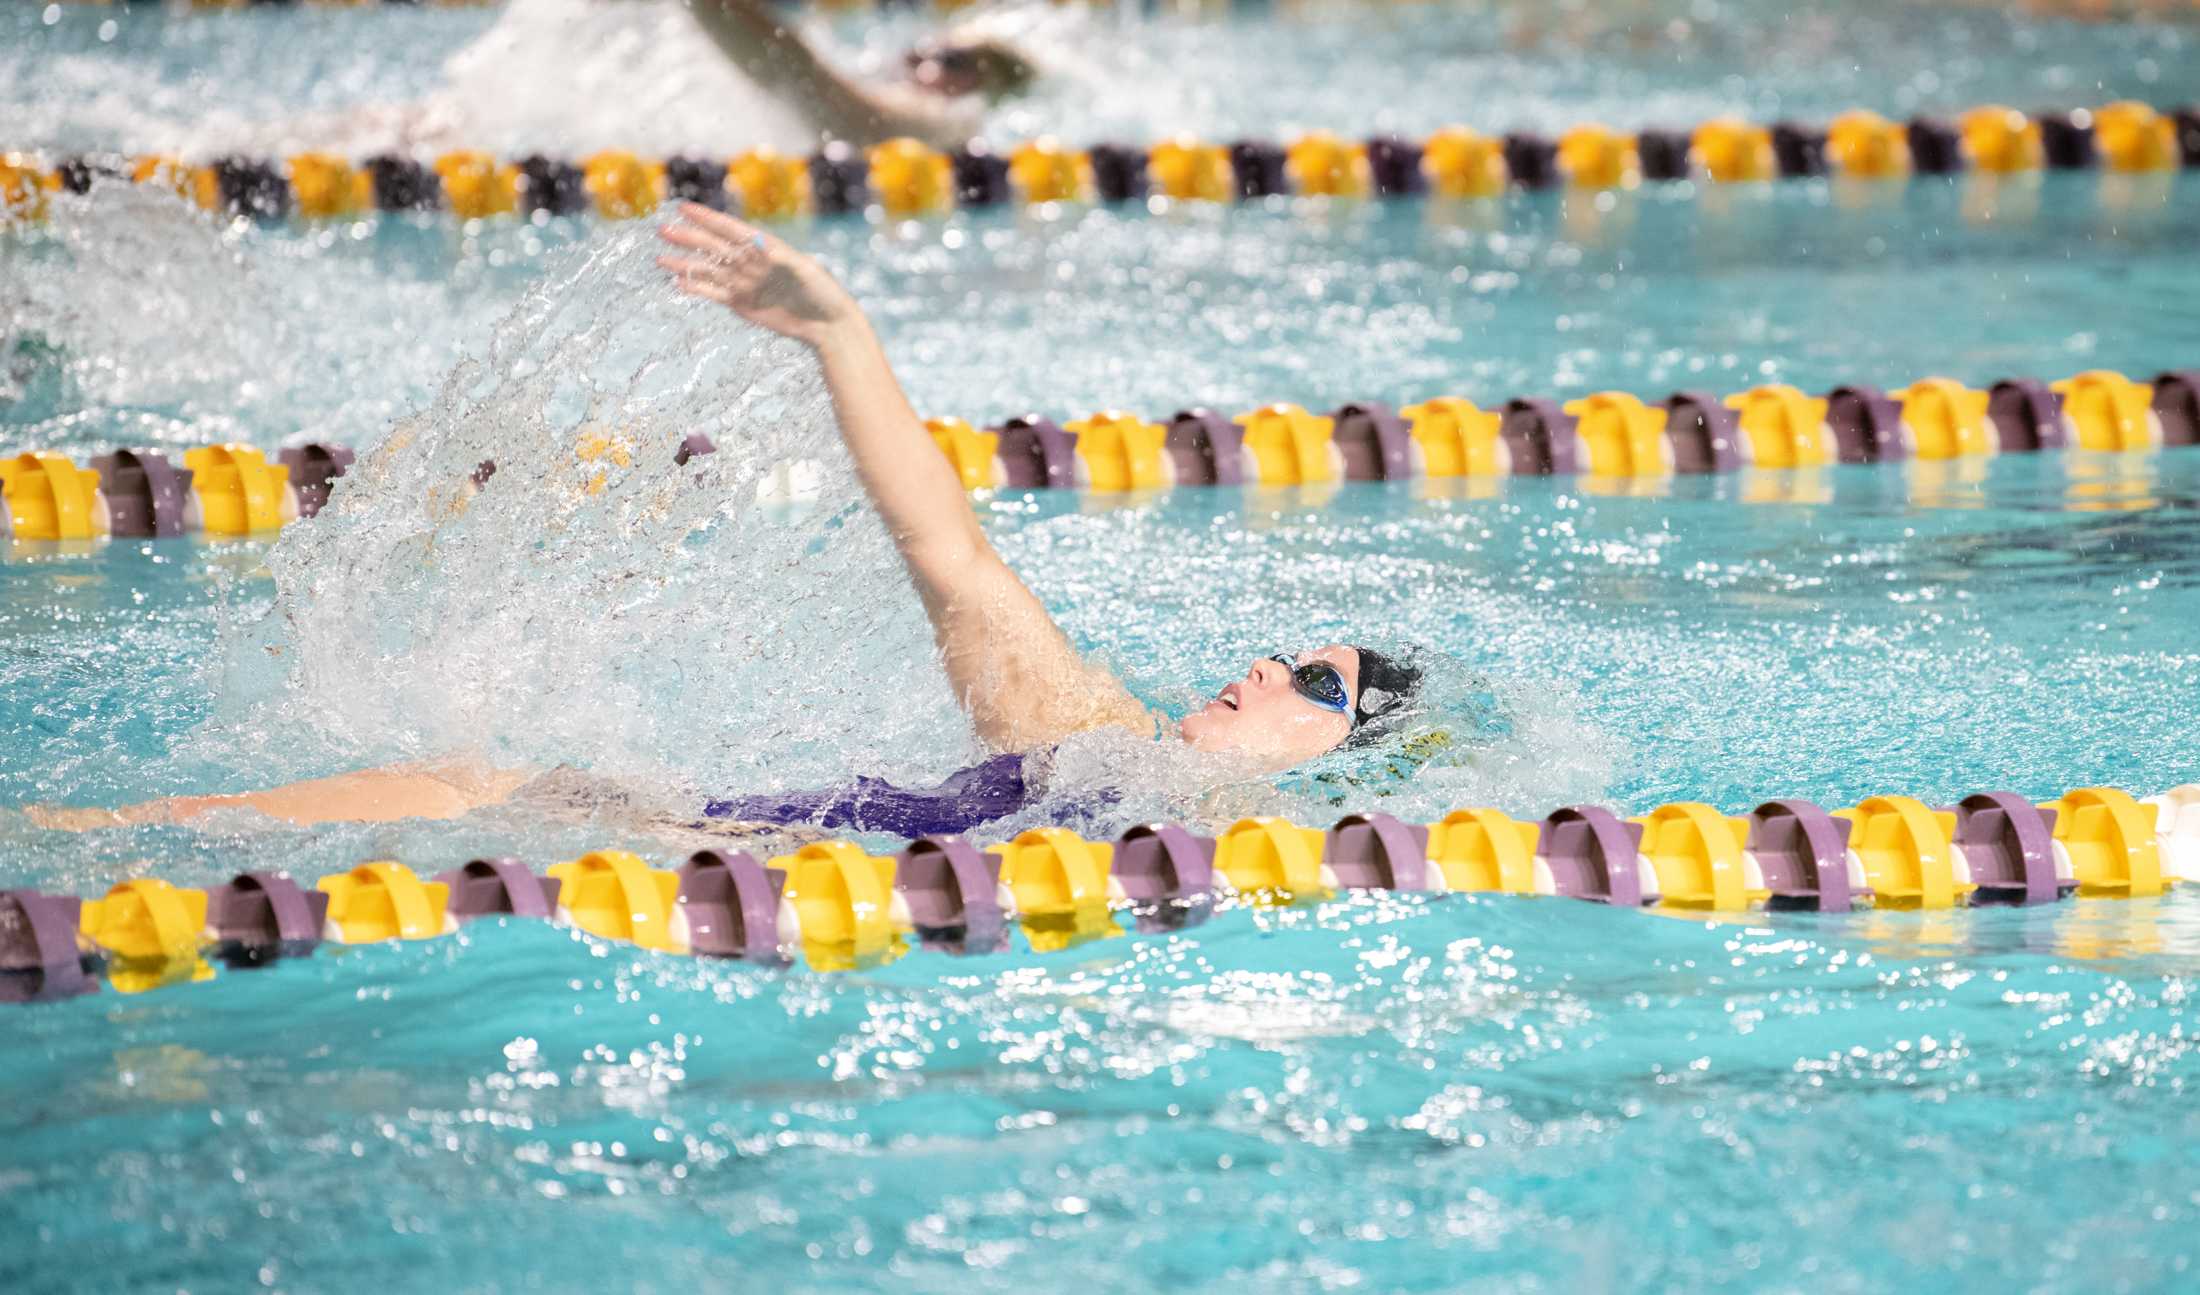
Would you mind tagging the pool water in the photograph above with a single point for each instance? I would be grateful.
(1391, 1094)
(1382, 1092)
(990, 315)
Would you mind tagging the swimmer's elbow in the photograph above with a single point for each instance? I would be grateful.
(948, 557)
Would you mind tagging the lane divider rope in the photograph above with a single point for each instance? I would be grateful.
(832, 905)
(233, 490)
(227, 490)
(903, 177)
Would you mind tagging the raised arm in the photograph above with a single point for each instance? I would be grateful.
(758, 42)
(1011, 666)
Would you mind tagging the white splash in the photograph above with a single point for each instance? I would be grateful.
(593, 604)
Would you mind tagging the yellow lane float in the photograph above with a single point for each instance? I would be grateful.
(2001, 139)
(1189, 169)
(614, 894)
(48, 497)
(1121, 452)
(770, 184)
(1272, 856)
(383, 900)
(1698, 858)
(1048, 869)
(24, 187)
(1044, 171)
(2110, 841)
(1623, 436)
(1908, 852)
(151, 930)
(1462, 163)
(1593, 156)
(146, 919)
(1454, 438)
(912, 179)
(1292, 446)
(1947, 420)
(974, 454)
(839, 904)
(1783, 427)
(2134, 137)
(1484, 849)
(238, 491)
(1734, 151)
(2104, 410)
(1866, 146)
(1323, 164)
(1059, 885)
(476, 185)
(622, 185)
(328, 187)
(194, 184)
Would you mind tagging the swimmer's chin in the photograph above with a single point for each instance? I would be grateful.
(1201, 730)
(1209, 731)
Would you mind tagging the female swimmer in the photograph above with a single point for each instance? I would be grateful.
(1025, 687)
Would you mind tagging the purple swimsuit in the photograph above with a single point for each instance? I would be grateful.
(972, 796)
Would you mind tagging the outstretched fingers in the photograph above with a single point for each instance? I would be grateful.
(707, 279)
(721, 236)
(730, 228)
(705, 241)
(737, 270)
(731, 262)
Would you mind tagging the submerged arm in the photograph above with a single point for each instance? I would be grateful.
(444, 790)
(1012, 667)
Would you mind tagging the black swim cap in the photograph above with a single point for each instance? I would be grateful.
(1387, 685)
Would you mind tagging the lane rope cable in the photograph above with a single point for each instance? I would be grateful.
(903, 177)
(832, 905)
(234, 490)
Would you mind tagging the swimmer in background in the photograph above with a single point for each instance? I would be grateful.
(1016, 674)
(696, 75)
(942, 74)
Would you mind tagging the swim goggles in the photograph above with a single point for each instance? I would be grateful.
(953, 68)
(1318, 681)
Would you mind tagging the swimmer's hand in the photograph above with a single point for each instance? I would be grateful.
(756, 276)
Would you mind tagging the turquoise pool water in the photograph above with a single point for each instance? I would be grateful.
(335, 332)
(1390, 1094)
(1381, 1093)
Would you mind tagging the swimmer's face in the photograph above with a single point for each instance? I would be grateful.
(1263, 716)
(987, 67)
